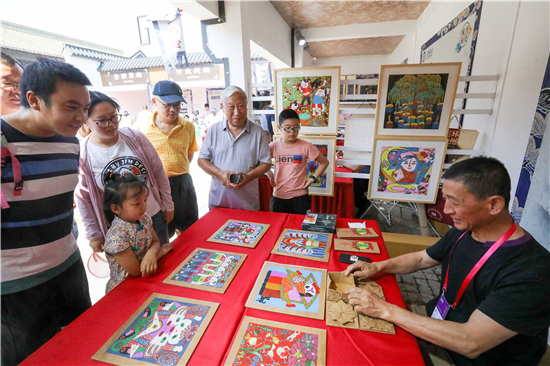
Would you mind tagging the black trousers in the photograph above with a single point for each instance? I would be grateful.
(186, 209)
(297, 205)
(32, 317)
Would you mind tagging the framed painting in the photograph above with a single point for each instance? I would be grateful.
(208, 270)
(406, 169)
(313, 93)
(265, 342)
(240, 233)
(287, 289)
(417, 99)
(327, 147)
(164, 330)
(357, 246)
(304, 244)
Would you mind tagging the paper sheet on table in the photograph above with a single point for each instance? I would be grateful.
(357, 225)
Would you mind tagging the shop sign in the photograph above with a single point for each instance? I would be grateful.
(115, 78)
(197, 73)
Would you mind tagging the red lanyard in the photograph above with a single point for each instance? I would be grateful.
(479, 264)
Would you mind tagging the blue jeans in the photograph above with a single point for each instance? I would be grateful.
(161, 228)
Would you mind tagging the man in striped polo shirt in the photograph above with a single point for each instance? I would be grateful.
(44, 285)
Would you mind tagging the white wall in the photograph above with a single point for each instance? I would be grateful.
(255, 21)
(131, 100)
(267, 28)
(88, 67)
(405, 50)
(513, 42)
(354, 64)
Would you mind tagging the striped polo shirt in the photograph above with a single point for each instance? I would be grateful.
(174, 148)
(37, 242)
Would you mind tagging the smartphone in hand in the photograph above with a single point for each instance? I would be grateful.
(236, 178)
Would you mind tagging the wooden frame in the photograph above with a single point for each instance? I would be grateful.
(291, 248)
(406, 169)
(239, 242)
(247, 321)
(356, 233)
(423, 91)
(323, 83)
(356, 246)
(269, 296)
(204, 309)
(233, 267)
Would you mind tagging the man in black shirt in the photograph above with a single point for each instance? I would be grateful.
(503, 314)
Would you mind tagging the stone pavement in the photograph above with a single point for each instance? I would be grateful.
(416, 288)
(420, 287)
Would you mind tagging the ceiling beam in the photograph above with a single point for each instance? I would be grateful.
(368, 30)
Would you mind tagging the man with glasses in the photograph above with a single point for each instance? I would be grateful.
(9, 85)
(174, 139)
(235, 152)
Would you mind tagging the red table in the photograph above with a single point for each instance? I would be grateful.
(76, 344)
(341, 204)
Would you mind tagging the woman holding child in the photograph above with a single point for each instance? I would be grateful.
(108, 150)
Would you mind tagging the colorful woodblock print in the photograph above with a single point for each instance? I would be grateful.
(313, 165)
(405, 170)
(309, 97)
(208, 269)
(270, 345)
(304, 243)
(240, 233)
(161, 334)
(415, 101)
(290, 288)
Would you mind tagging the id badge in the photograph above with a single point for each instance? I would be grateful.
(441, 308)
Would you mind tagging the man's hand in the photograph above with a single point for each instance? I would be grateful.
(224, 177)
(149, 263)
(168, 216)
(246, 179)
(368, 303)
(309, 182)
(97, 245)
(362, 269)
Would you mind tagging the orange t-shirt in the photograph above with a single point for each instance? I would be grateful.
(291, 167)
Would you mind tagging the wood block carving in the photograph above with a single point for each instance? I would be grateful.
(341, 314)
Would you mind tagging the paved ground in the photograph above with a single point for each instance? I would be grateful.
(416, 288)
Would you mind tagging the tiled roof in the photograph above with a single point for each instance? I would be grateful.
(88, 53)
(194, 59)
(31, 40)
(149, 62)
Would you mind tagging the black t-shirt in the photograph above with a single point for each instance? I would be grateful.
(512, 288)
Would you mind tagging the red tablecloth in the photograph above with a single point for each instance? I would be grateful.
(76, 344)
(350, 346)
(341, 204)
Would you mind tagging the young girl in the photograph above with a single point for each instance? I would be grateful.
(131, 245)
(109, 149)
(291, 154)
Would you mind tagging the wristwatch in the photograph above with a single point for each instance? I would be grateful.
(315, 179)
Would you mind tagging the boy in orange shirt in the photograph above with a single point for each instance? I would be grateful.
(291, 154)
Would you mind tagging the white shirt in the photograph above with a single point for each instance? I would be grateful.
(118, 159)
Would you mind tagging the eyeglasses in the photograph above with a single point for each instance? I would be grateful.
(174, 106)
(291, 129)
(9, 86)
(104, 123)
